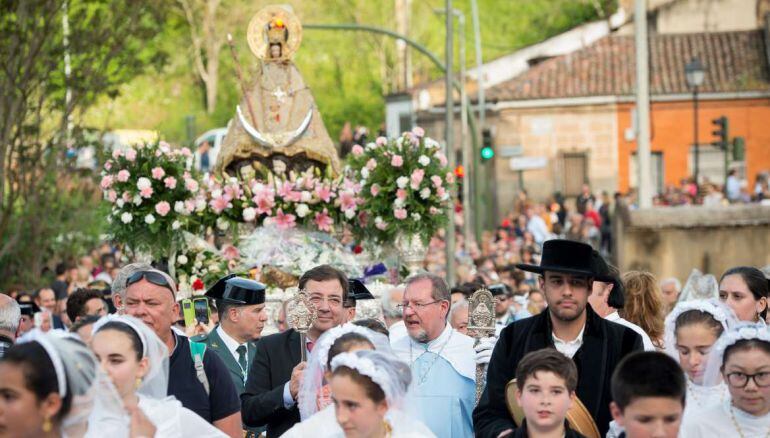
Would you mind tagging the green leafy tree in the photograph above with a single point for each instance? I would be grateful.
(109, 43)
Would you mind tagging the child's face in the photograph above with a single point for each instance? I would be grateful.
(694, 342)
(545, 400)
(650, 417)
(745, 392)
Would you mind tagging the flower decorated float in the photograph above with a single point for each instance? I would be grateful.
(280, 201)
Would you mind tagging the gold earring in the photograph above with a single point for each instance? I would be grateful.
(47, 425)
(138, 382)
(388, 428)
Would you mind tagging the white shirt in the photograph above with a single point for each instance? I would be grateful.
(231, 343)
(717, 421)
(569, 348)
(646, 341)
(452, 345)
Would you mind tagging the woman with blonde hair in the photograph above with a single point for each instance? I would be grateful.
(644, 304)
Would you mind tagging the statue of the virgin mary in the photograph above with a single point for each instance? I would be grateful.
(277, 127)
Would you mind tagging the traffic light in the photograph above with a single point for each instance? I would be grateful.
(487, 147)
(720, 133)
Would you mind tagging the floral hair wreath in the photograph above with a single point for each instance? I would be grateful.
(326, 342)
(712, 307)
(744, 332)
(366, 367)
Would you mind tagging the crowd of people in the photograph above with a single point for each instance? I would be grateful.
(579, 349)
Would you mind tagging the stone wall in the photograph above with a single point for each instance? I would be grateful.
(671, 241)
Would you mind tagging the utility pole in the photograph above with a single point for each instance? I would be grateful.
(642, 104)
(450, 150)
(403, 7)
(465, 148)
(473, 170)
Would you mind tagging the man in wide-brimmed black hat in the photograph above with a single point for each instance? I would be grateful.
(568, 325)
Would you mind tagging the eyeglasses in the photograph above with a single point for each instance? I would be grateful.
(415, 306)
(153, 277)
(740, 380)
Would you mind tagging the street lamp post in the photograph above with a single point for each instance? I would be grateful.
(695, 74)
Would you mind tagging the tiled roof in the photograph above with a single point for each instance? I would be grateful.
(734, 61)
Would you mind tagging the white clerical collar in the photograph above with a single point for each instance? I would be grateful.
(569, 348)
(230, 343)
(455, 347)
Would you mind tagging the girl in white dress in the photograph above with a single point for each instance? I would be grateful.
(369, 389)
(692, 329)
(744, 356)
(136, 361)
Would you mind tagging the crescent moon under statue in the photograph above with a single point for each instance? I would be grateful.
(277, 140)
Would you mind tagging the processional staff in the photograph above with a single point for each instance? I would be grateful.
(240, 79)
(301, 315)
(481, 324)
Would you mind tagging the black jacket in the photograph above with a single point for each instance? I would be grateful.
(605, 343)
(262, 401)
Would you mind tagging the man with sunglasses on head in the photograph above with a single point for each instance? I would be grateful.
(274, 378)
(441, 358)
(150, 295)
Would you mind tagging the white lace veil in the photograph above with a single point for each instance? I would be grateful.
(742, 331)
(699, 286)
(391, 374)
(313, 378)
(77, 374)
(718, 310)
(155, 382)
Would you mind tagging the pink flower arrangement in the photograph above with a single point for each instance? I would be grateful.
(169, 182)
(106, 182)
(397, 161)
(158, 172)
(416, 178)
(437, 182)
(130, 154)
(124, 175)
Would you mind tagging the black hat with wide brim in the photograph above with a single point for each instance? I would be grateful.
(567, 256)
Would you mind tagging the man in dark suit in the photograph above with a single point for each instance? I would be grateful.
(242, 316)
(273, 382)
(568, 325)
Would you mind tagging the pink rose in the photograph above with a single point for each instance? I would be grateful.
(450, 177)
(437, 182)
(170, 182)
(371, 164)
(130, 154)
(186, 152)
(191, 185)
(116, 154)
(417, 177)
(381, 141)
(162, 208)
(112, 196)
(108, 165)
(357, 150)
(401, 194)
(434, 211)
(397, 161)
(400, 213)
(158, 172)
(123, 175)
(441, 158)
(381, 225)
(146, 192)
(106, 182)
(374, 189)
(419, 132)
(440, 192)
